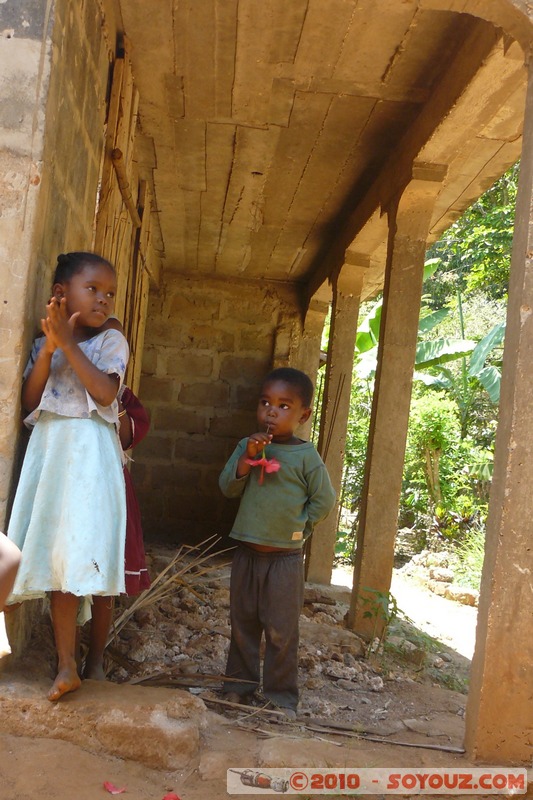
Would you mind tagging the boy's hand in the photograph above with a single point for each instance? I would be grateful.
(256, 443)
(254, 446)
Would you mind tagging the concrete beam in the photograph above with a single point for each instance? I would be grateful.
(511, 16)
(396, 171)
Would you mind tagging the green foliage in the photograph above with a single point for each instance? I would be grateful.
(433, 423)
(469, 556)
(382, 609)
(476, 250)
(446, 478)
(354, 461)
(430, 470)
(448, 465)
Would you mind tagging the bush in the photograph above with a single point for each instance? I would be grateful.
(445, 477)
(468, 558)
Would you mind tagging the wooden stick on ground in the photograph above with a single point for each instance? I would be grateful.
(351, 731)
(244, 707)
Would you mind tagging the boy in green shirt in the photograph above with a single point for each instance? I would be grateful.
(285, 490)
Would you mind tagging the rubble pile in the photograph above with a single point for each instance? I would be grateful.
(183, 641)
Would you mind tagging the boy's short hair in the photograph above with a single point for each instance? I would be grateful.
(301, 382)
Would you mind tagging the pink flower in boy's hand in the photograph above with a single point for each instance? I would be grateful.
(272, 465)
(266, 464)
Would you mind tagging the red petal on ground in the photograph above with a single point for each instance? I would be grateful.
(171, 796)
(112, 789)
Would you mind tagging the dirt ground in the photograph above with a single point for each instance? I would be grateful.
(401, 708)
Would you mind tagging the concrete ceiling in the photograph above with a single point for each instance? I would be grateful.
(275, 131)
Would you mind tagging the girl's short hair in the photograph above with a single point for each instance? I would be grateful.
(69, 264)
(300, 382)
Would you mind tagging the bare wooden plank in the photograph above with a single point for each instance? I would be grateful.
(107, 182)
(322, 38)
(225, 53)
(412, 64)
(287, 23)
(253, 70)
(122, 135)
(357, 88)
(295, 146)
(124, 185)
(334, 188)
(243, 207)
(135, 268)
(134, 374)
(346, 119)
(200, 49)
(171, 218)
(117, 249)
(220, 150)
(281, 101)
(385, 125)
(152, 262)
(145, 207)
(191, 230)
(205, 56)
(372, 39)
(133, 128)
(174, 95)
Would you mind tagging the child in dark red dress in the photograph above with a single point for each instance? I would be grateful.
(134, 424)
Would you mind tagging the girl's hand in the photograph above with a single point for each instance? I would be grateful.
(58, 327)
(256, 443)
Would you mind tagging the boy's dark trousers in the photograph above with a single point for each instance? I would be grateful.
(266, 594)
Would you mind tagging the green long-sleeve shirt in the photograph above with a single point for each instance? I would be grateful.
(284, 509)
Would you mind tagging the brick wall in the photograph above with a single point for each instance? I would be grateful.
(208, 345)
(53, 80)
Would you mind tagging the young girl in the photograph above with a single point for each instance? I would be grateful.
(69, 513)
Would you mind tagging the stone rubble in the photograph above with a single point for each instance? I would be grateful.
(186, 637)
(434, 571)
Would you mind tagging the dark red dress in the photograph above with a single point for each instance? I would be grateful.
(137, 577)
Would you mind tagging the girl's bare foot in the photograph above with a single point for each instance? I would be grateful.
(67, 680)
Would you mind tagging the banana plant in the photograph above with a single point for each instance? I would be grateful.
(432, 355)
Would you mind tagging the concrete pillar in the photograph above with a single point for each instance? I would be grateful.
(335, 408)
(499, 714)
(408, 229)
(308, 357)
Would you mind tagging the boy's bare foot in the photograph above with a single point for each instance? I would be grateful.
(67, 680)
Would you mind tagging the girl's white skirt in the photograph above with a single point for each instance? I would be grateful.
(69, 513)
